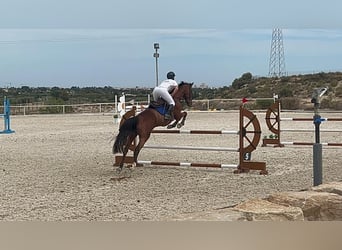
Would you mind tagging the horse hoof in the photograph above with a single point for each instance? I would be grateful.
(179, 125)
(132, 167)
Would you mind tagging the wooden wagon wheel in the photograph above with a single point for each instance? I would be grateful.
(252, 120)
(256, 130)
(272, 118)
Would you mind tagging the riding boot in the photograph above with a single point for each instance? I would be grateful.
(169, 112)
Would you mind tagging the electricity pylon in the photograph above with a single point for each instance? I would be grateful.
(277, 59)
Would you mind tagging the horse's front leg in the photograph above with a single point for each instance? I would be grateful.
(172, 125)
(177, 115)
(181, 124)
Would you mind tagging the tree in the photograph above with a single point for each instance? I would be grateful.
(245, 79)
(60, 93)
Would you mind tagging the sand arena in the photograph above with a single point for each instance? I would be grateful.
(60, 168)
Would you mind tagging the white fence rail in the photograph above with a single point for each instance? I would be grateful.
(63, 109)
(203, 105)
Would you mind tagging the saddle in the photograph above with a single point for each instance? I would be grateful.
(160, 105)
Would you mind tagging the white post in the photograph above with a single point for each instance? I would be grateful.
(116, 104)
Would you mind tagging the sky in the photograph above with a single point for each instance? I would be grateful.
(110, 43)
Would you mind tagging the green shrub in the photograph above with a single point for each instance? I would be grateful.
(286, 92)
(338, 91)
(263, 104)
(291, 103)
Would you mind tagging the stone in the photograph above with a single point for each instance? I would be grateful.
(332, 187)
(263, 210)
(226, 214)
(316, 206)
(321, 203)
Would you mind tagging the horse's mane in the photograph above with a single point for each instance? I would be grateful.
(184, 83)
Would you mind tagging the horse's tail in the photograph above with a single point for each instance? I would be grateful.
(129, 127)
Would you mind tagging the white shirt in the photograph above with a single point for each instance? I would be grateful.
(168, 84)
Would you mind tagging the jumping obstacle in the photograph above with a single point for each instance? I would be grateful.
(244, 164)
(6, 115)
(273, 123)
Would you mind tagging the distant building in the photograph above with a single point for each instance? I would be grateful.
(202, 86)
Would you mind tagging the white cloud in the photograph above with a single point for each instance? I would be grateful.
(234, 14)
(207, 55)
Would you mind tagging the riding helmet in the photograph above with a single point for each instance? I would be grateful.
(171, 75)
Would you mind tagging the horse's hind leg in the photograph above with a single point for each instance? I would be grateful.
(125, 151)
(142, 141)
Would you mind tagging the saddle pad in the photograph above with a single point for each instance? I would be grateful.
(161, 108)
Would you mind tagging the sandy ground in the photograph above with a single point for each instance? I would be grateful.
(60, 168)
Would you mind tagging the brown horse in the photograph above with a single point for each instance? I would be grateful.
(142, 124)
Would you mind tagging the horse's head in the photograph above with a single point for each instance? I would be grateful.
(185, 92)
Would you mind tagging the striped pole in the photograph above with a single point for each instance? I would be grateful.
(311, 130)
(310, 119)
(311, 143)
(188, 164)
(202, 132)
(193, 148)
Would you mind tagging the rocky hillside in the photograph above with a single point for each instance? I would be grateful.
(294, 91)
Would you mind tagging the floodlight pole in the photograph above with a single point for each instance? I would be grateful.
(156, 55)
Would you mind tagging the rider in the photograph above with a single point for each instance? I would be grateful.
(166, 90)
